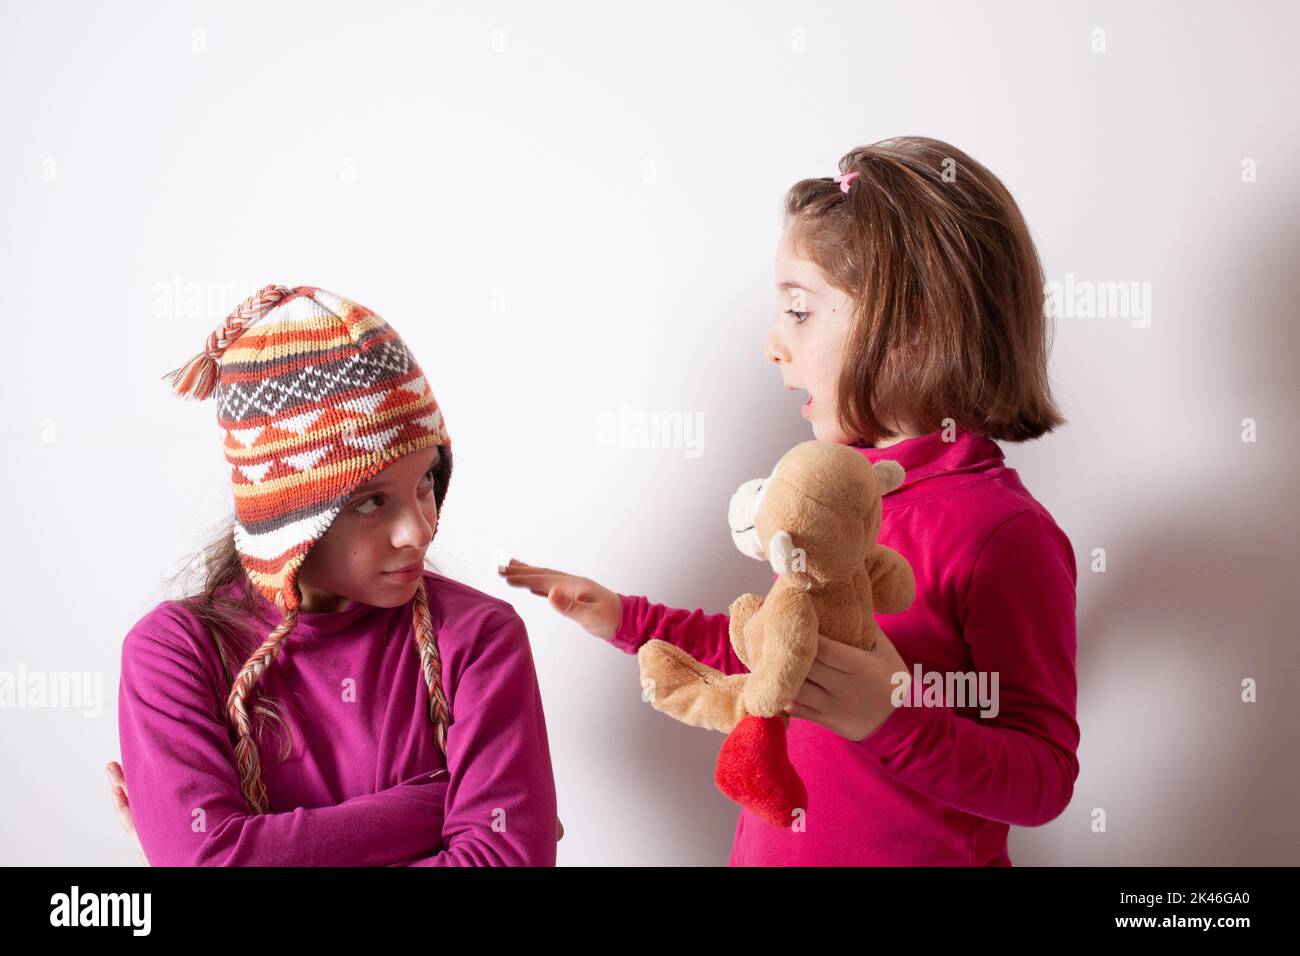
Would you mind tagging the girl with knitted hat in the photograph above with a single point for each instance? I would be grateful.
(413, 730)
(909, 307)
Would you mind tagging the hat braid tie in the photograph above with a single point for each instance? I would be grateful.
(246, 753)
(431, 665)
(198, 377)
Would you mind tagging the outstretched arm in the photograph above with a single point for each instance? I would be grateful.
(627, 621)
(706, 637)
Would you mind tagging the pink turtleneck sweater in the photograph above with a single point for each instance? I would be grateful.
(995, 592)
(364, 783)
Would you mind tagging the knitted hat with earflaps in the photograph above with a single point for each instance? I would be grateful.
(315, 395)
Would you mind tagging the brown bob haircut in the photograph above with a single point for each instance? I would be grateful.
(948, 292)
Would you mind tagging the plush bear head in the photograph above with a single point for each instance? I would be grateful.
(816, 517)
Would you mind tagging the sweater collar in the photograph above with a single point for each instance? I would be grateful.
(311, 623)
(929, 455)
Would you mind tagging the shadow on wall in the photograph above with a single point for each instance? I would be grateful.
(1202, 595)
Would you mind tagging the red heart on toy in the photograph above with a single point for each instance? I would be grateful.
(754, 770)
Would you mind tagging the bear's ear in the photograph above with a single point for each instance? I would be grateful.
(889, 475)
(780, 552)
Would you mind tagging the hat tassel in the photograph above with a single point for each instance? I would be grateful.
(198, 377)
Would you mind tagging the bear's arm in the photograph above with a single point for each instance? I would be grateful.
(893, 586)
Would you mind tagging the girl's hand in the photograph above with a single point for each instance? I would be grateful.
(117, 786)
(849, 690)
(595, 608)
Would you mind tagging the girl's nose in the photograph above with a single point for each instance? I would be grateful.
(774, 351)
(413, 530)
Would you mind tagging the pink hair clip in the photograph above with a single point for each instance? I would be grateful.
(846, 180)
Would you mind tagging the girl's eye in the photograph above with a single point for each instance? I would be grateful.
(361, 508)
(798, 316)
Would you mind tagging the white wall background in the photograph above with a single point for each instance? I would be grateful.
(565, 208)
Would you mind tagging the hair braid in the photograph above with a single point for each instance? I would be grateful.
(246, 754)
(430, 665)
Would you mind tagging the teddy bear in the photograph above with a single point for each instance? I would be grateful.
(815, 520)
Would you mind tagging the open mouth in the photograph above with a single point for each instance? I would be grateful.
(807, 405)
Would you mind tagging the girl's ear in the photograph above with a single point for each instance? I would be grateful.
(889, 475)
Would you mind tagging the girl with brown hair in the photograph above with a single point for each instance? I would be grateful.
(910, 308)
